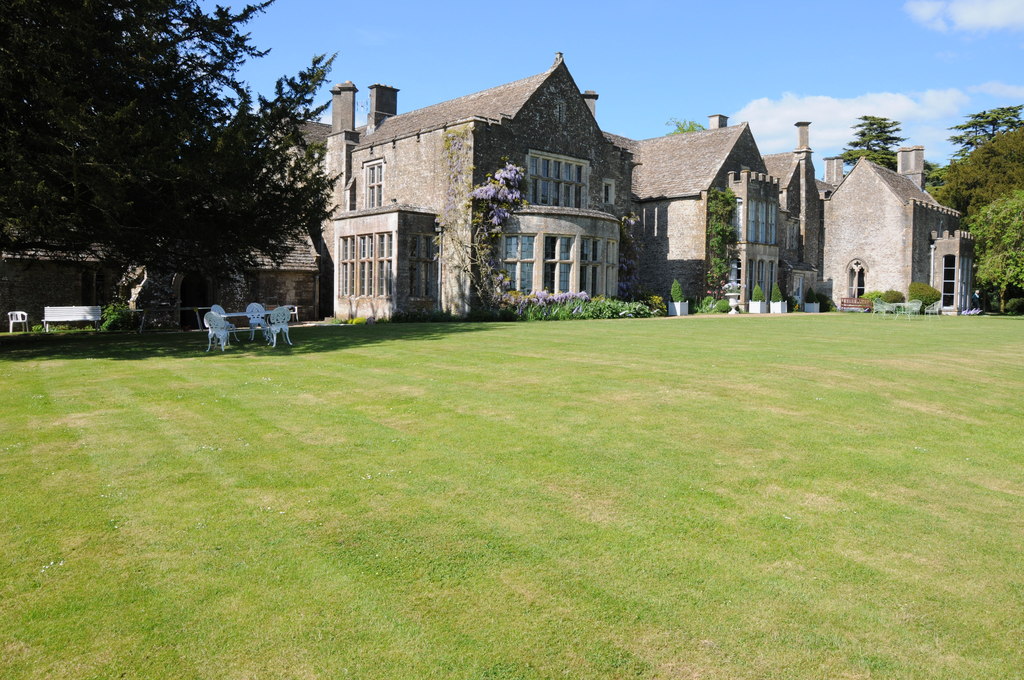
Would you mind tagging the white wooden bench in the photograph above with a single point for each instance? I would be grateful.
(65, 314)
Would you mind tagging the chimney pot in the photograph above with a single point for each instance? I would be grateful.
(383, 105)
(717, 120)
(802, 138)
(590, 98)
(343, 107)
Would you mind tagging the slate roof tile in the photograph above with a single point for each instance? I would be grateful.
(684, 164)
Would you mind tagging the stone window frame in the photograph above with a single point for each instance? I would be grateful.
(520, 266)
(856, 277)
(560, 264)
(373, 171)
(536, 175)
(608, 191)
(422, 266)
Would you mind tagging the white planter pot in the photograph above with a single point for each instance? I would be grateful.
(779, 307)
(678, 308)
(812, 307)
(757, 307)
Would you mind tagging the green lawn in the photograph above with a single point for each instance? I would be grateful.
(808, 496)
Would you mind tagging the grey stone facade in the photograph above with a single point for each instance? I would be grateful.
(883, 232)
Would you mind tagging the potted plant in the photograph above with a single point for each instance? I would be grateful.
(757, 305)
(778, 302)
(811, 304)
(679, 306)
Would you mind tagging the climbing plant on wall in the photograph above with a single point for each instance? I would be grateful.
(629, 259)
(721, 237)
(473, 218)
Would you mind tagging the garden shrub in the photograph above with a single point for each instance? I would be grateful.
(722, 306)
(117, 316)
(925, 293)
(705, 306)
(893, 296)
(657, 305)
(1015, 306)
(809, 296)
(872, 295)
(776, 293)
(758, 295)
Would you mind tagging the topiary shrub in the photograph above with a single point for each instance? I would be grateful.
(777, 293)
(722, 306)
(1015, 306)
(758, 295)
(925, 293)
(677, 291)
(893, 296)
(809, 296)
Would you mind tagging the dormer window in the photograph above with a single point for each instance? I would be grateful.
(557, 180)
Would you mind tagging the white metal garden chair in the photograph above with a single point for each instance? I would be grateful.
(218, 310)
(218, 328)
(912, 308)
(279, 324)
(934, 308)
(257, 319)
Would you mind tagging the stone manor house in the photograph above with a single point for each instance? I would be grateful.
(873, 229)
(383, 252)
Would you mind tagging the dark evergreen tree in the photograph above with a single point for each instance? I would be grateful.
(127, 135)
(990, 172)
(876, 139)
(982, 127)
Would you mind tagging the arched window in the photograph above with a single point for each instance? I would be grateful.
(855, 279)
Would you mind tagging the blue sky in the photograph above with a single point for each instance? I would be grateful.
(925, 63)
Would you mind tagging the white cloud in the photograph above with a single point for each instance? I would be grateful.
(967, 15)
(1000, 90)
(771, 120)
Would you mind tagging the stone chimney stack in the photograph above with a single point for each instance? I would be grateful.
(343, 107)
(383, 105)
(717, 121)
(590, 97)
(910, 163)
(834, 170)
(802, 138)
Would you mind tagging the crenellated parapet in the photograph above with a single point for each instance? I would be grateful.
(958, 234)
(935, 207)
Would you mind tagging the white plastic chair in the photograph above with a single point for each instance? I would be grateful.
(17, 317)
(218, 328)
(279, 324)
(219, 311)
(257, 319)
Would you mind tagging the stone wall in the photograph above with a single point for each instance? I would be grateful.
(671, 237)
(866, 222)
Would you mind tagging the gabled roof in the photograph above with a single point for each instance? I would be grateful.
(901, 186)
(781, 165)
(683, 164)
(503, 101)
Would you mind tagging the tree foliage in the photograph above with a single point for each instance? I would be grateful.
(984, 126)
(683, 126)
(876, 139)
(128, 136)
(998, 230)
(990, 172)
